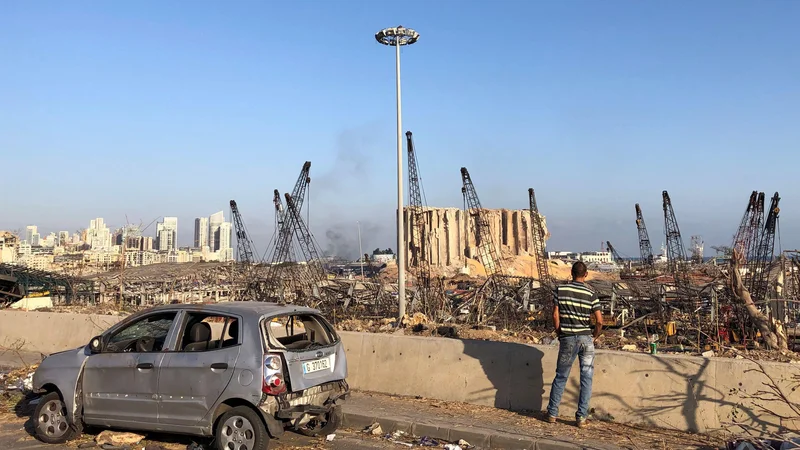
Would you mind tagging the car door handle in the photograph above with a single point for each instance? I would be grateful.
(145, 366)
(219, 366)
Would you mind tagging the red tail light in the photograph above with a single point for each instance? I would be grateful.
(273, 383)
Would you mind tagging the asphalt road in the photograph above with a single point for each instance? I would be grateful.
(13, 436)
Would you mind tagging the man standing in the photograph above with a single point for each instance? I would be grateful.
(575, 303)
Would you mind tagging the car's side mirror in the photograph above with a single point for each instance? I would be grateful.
(96, 344)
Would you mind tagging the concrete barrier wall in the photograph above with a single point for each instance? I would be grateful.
(667, 391)
(679, 392)
(50, 332)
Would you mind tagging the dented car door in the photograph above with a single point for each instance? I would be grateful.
(193, 379)
(120, 382)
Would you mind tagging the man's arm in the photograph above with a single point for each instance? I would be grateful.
(598, 324)
(598, 317)
(556, 319)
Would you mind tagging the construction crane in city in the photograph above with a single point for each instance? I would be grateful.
(746, 232)
(419, 260)
(615, 256)
(282, 252)
(305, 240)
(645, 249)
(757, 225)
(245, 254)
(283, 245)
(676, 253)
(276, 201)
(244, 246)
(539, 249)
(487, 253)
(765, 252)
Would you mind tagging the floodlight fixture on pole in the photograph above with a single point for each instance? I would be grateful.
(397, 37)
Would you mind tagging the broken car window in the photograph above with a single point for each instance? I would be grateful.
(145, 335)
(299, 332)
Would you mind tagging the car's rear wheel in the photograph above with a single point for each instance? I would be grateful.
(324, 424)
(241, 429)
(50, 421)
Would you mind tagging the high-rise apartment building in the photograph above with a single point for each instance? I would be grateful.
(225, 250)
(98, 235)
(201, 232)
(167, 234)
(63, 238)
(214, 222)
(32, 235)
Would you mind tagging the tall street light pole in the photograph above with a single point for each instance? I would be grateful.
(397, 37)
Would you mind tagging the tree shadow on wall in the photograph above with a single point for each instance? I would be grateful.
(515, 372)
(694, 382)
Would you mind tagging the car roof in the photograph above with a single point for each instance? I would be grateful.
(240, 308)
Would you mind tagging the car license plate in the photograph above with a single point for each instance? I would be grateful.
(316, 365)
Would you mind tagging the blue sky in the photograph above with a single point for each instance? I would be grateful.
(147, 109)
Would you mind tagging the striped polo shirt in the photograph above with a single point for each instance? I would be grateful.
(576, 302)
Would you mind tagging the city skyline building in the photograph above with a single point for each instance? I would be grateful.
(201, 230)
(167, 234)
(214, 222)
(98, 235)
(63, 238)
(225, 249)
(32, 235)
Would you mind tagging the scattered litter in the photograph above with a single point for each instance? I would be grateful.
(330, 437)
(452, 447)
(425, 441)
(708, 354)
(629, 347)
(374, 429)
(115, 447)
(117, 439)
(464, 444)
(195, 446)
(787, 443)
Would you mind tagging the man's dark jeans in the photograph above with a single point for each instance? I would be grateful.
(569, 348)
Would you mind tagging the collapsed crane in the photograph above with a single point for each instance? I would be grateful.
(244, 254)
(746, 232)
(765, 252)
(676, 253)
(244, 246)
(487, 253)
(615, 256)
(419, 248)
(307, 245)
(756, 225)
(286, 233)
(645, 249)
(283, 246)
(539, 249)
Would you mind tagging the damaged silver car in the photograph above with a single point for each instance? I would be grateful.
(242, 372)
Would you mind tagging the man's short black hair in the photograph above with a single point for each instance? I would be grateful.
(579, 270)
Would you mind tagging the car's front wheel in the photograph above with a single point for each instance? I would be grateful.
(241, 429)
(51, 423)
